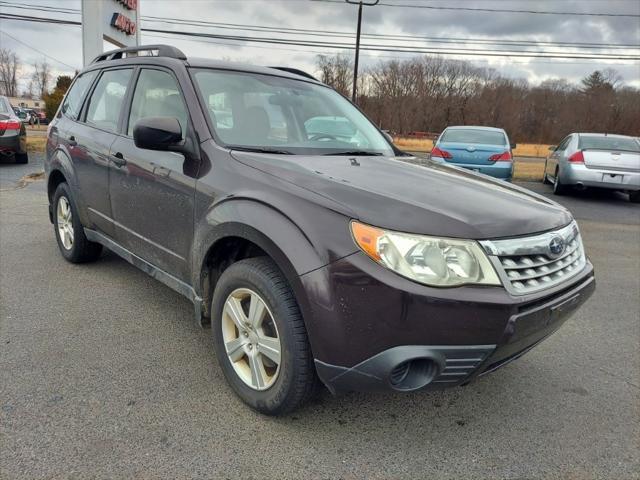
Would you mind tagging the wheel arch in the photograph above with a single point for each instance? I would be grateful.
(241, 229)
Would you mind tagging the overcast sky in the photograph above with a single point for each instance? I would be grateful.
(62, 43)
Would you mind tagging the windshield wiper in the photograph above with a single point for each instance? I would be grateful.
(361, 153)
(259, 150)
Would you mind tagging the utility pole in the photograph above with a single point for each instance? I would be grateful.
(360, 3)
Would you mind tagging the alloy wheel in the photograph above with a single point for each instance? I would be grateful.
(65, 223)
(251, 339)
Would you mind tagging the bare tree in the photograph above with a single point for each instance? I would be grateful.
(426, 94)
(336, 71)
(9, 67)
(41, 78)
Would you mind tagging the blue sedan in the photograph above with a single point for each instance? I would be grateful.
(482, 149)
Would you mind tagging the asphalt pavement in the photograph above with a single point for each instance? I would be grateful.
(103, 374)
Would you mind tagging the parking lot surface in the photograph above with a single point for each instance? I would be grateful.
(103, 374)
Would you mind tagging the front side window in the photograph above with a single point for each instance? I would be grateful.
(157, 95)
(107, 99)
(73, 101)
(472, 135)
(269, 112)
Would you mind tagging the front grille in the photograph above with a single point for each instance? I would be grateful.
(530, 264)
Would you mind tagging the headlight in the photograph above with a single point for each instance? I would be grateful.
(438, 262)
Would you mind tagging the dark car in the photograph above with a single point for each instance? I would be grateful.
(324, 254)
(13, 135)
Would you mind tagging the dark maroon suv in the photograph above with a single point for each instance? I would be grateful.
(313, 247)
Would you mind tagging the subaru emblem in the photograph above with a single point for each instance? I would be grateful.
(556, 246)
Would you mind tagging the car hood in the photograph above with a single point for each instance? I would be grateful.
(428, 198)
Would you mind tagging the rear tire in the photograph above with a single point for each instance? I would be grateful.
(21, 158)
(73, 243)
(558, 187)
(284, 386)
(634, 197)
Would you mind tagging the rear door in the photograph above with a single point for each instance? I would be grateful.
(152, 192)
(88, 142)
(554, 159)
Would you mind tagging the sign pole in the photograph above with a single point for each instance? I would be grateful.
(114, 21)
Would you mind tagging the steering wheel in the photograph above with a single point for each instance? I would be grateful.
(320, 136)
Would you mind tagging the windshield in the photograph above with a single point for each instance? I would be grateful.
(472, 135)
(609, 143)
(270, 113)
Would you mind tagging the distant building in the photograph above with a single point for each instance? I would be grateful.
(26, 103)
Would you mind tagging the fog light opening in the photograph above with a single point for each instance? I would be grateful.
(413, 374)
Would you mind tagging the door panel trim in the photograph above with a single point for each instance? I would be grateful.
(128, 230)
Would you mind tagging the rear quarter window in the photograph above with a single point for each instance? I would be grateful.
(5, 108)
(73, 101)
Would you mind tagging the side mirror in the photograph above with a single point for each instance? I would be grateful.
(552, 148)
(387, 136)
(513, 146)
(158, 133)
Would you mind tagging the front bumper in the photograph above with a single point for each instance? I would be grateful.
(601, 178)
(387, 333)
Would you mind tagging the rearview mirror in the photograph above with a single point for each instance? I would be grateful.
(552, 148)
(158, 133)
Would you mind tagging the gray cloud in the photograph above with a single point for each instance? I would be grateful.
(64, 42)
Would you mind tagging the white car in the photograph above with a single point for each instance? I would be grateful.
(595, 160)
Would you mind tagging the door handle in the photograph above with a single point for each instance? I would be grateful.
(72, 141)
(118, 159)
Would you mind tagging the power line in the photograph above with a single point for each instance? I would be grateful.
(495, 10)
(345, 46)
(396, 57)
(392, 48)
(398, 37)
(37, 50)
(324, 33)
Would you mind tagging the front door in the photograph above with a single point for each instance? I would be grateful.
(152, 192)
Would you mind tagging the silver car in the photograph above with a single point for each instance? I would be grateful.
(595, 160)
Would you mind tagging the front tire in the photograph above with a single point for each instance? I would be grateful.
(21, 158)
(260, 338)
(73, 243)
(634, 197)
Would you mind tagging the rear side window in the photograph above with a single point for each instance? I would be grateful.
(564, 144)
(624, 144)
(107, 99)
(157, 95)
(73, 101)
(471, 135)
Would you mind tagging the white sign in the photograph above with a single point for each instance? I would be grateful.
(113, 21)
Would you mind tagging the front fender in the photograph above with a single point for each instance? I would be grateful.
(287, 243)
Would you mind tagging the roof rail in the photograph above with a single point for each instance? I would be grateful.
(153, 51)
(296, 72)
